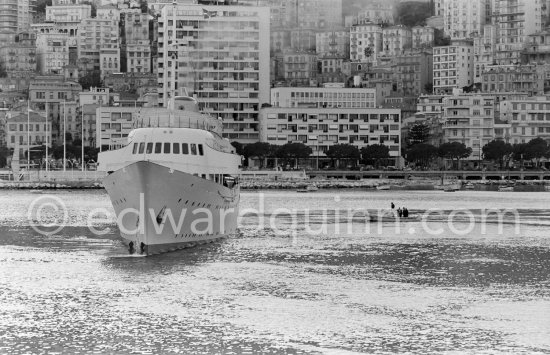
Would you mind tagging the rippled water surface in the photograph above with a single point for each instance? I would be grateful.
(294, 285)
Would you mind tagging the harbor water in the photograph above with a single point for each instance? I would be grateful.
(307, 274)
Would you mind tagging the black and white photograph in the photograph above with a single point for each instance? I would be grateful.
(274, 177)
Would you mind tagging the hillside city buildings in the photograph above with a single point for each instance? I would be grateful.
(311, 71)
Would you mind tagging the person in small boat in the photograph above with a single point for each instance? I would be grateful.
(400, 212)
(405, 212)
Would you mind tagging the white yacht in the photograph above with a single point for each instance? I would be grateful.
(175, 183)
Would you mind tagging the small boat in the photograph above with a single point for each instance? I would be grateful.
(395, 218)
(469, 186)
(505, 188)
(35, 191)
(310, 188)
(383, 187)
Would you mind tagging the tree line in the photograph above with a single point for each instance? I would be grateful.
(423, 154)
(340, 155)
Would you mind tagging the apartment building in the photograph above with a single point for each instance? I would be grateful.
(430, 105)
(70, 121)
(135, 43)
(89, 117)
(439, 7)
(113, 124)
(515, 20)
(320, 128)
(220, 54)
(396, 40)
(18, 59)
(136, 82)
(20, 127)
(332, 42)
(328, 97)
(108, 12)
(25, 13)
(484, 50)
(531, 79)
(333, 69)
(95, 96)
(53, 91)
(413, 71)
(99, 45)
(52, 52)
(529, 118)
(300, 68)
(8, 20)
(469, 119)
(463, 18)
(429, 110)
(279, 39)
(68, 11)
(379, 12)
(422, 37)
(303, 39)
(363, 37)
(319, 14)
(537, 48)
(453, 67)
(66, 16)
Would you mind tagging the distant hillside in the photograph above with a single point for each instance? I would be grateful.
(413, 13)
(408, 13)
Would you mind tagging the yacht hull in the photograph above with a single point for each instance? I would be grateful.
(160, 209)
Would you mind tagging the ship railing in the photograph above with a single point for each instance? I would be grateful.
(204, 123)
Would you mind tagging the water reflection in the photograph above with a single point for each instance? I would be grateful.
(264, 292)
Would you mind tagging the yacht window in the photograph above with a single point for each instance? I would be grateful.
(158, 148)
(176, 148)
(166, 148)
(135, 148)
(149, 148)
(184, 148)
(201, 152)
(141, 148)
(193, 149)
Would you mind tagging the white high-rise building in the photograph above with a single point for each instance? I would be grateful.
(25, 12)
(463, 18)
(15, 16)
(515, 20)
(453, 67)
(220, 55)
